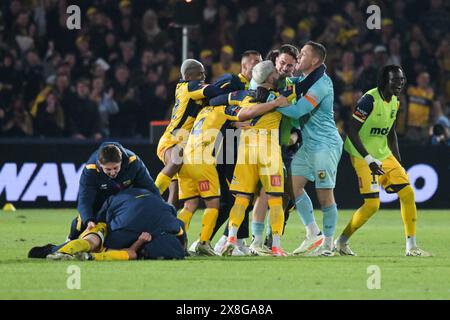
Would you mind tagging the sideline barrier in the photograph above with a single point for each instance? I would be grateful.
(45, 174)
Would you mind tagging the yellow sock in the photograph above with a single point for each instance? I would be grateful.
(162, 182)
(186, 217)
(111, 255)
(74, 246)
(408, 210)
(370, 206)
(237, 213)
(209, 220)
(276, 215)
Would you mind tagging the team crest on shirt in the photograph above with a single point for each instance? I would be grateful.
(275, 181)
(104, 186)
(392, 114)
(203, 185)
(126, 183)
(321, 174)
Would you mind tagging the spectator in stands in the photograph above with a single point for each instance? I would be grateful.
(443, 61)
(395, 56)
(249, 35)
(366, 74)
(151, 34)
(128, 55)
(123, 124)
(110, 51)
(435, 21)
(33, 76)
(225, 64)
(420, 106)
(441, 128)
(83, 120)
(153, 102)
(207, 58)
(17, 121)
(107, 106)
(85, 57)
(381, 56)
(416, 61)
(10, 80)
(49, 121)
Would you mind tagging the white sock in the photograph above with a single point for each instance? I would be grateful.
(223, 239)
(312, 230)
(328, 243)
(410, 242)
(232, 232)
(342, 239)
(257, 240)
(276, 241)
(240, 242)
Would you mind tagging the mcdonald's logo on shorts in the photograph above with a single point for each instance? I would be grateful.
(275, 181)
(203, 185)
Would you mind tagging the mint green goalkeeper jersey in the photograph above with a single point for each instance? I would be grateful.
(378, 117)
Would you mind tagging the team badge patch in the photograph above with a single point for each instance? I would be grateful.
(392, 114)
(321, 174)
(275, 181)
(203, 185)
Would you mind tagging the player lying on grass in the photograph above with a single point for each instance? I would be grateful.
(109, 169)
(121, 221)
(198, 177)
(372, 145)
(190, 96)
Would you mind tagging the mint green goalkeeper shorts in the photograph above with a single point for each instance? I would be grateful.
(319, 166)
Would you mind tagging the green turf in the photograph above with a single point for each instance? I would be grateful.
(379, 243)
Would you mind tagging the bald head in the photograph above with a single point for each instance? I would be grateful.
(192, 69)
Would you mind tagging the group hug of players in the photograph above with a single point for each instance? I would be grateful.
(248, 141)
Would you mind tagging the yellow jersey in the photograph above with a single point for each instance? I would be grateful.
(419, 106)
(207, 128)
(269, 121)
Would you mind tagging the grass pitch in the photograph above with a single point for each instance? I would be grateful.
(380, 242)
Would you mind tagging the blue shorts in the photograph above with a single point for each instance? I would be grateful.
(319, 166)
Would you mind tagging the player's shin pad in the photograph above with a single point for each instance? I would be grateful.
(186, 217)
(370, 206)
(408, 210)
(237, 213)
(75, 246)
(162, 182)
(209, 220)
(112, 255)
(276, 215)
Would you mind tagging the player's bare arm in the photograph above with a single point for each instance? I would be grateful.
(259, 109)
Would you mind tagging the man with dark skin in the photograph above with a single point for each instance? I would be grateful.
(374, 153)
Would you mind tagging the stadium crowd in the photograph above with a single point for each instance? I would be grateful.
(119, 72)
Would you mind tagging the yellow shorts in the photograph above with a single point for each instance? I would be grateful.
(198, 180)
(100, 230)
(165, 143)
(258, 163)
(394, 178)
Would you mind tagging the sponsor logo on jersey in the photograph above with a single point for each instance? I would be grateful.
(379, 131)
